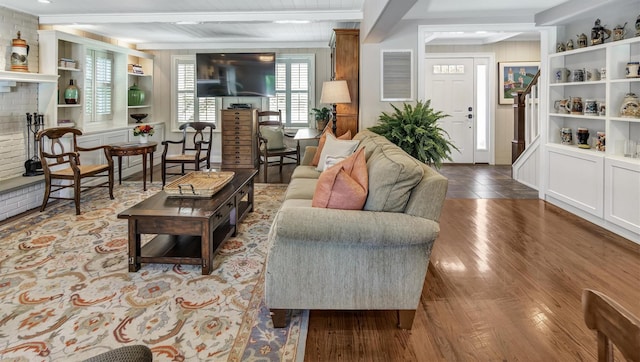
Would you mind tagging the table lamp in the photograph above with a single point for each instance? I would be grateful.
(334, 92)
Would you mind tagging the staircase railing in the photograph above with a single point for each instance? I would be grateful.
(526, 123)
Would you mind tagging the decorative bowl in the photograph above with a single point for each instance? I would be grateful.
(138, 116)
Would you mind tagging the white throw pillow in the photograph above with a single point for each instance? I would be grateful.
(332, 160)
(336, 148)
(274, 136)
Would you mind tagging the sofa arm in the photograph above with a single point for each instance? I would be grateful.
(312, 224)
(309, 152)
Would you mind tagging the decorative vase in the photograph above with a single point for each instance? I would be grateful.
(583, 138)
(144, 138)
(575, 105)
(566, 136)
(71, 93)
(633, 70)
(630, 107)
(321, 124)
(19, 54)
(136, 96)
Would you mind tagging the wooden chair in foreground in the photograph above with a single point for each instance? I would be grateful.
(192, 152)
(59, 164)
(271, 141)
(615, 326)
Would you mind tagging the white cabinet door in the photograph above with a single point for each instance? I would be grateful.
(622, 195)
(576, 178)
(115, 137)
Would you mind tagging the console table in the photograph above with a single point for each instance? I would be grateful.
(189, 230)
(306, 134)
(132, 149)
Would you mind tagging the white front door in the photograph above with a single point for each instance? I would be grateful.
(449, 84)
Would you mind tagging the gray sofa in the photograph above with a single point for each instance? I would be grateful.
(371, 259)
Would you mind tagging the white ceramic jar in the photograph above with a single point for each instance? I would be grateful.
(633, 70)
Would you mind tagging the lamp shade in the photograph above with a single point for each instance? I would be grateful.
(335, 91)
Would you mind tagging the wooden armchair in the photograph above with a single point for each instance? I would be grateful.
(193, 152)
(614, 324)
(271, 141)
(59, 164)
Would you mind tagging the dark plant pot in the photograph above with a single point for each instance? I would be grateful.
(321, 123)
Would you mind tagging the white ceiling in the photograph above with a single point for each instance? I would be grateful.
(153, 24)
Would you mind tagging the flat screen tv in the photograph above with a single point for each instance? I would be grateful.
(236, 74)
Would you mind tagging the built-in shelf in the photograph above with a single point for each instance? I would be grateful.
(56, 45)
(69, 69)
(599, 185)
(142, 106)
(578, 116)
(575, 148)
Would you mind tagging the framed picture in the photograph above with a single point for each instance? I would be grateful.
(515, 76)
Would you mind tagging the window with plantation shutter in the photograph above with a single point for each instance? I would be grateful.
(187, 107)
(98, 87)
(294, 79)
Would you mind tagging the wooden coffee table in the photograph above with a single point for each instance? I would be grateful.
(188, 230)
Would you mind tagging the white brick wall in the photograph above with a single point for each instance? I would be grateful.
(18, 201)
(13, 132)
(13, 107)
(22, 99)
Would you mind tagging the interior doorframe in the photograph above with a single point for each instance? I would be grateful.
(491, 96)
(423, 34)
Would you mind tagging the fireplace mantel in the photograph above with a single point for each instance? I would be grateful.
(9, 79)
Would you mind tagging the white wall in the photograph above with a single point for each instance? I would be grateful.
(405, 36)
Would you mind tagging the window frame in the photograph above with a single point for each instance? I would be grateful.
(198, 103)
(288, 59)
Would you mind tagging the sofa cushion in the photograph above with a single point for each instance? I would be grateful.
(296, 203)
(321, 142)
(301, 188)
(303, 171)
(344, 185)
(392, 176)
(336, 147)
(370, 142)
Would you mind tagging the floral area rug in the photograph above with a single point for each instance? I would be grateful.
(66, 293)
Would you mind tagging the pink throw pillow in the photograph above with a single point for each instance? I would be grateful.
(344, 185)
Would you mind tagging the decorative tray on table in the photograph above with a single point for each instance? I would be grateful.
(199, 184)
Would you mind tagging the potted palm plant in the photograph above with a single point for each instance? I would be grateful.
(417, 132)
(321, 116)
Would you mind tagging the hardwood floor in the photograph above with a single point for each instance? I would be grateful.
(504, 284)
